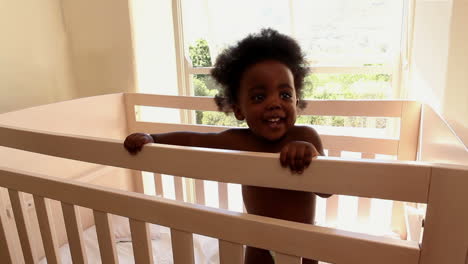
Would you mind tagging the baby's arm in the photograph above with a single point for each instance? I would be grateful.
(134, 142)
(299, 154)
(304, 146)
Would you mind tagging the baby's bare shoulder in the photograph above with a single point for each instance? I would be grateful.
(308, 134)
(305, 132)
(233, 138)
(234, 133)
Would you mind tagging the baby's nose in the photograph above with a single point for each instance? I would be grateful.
(274, 104)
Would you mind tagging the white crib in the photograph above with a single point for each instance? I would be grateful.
(85, 166)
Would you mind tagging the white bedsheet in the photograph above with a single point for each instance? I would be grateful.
(205, 249)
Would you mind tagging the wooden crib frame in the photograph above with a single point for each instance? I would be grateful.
(441, 187)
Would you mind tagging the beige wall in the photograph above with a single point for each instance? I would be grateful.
(439, 63)
(100, 45)
(455, 107)
(34, 62)
(55, 50)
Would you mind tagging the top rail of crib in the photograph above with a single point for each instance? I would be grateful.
(368, 108)
(404, 147)
(394, 180)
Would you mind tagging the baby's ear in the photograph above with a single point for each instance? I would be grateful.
(238, 113)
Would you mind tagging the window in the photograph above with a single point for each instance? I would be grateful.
(353, 46)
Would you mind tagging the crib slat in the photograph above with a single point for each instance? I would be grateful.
(142, 249)
(158, 185)
(332, 208)
(334, 153)
(5, 249)
(368, 156)
(287, 259)
(230, 253)
(182, 247)
(72, 219)
(223, 195)
(105, 237)
(364, 205)
(200, 192)
(398, 219)
(22, 225)
(332, 202)
(49, 239)
(179, 189)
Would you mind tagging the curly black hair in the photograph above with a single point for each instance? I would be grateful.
(269, 44)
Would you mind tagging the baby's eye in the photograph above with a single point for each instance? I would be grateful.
(258, 97)
(286, 95)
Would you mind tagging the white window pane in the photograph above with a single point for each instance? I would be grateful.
(349, 31)
(344, 32)
(223, 22)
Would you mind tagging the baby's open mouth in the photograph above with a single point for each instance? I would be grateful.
(274, 122)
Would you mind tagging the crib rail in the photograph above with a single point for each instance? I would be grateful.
(404, 147)
(377, 108)
(386, 146)
(400, 181)
(287, 238)
(396, 180)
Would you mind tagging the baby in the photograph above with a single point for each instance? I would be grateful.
(262, 79)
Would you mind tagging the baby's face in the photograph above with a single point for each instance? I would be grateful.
(267, 99)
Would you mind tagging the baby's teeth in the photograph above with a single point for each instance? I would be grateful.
(273, 119)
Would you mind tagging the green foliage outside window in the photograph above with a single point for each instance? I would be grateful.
(200, 54)
(316, 86)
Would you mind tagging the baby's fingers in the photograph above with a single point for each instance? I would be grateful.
(132, 148)
(284, 156)
(308, 155)
(291, 160)
(134, 142)
(299, 160)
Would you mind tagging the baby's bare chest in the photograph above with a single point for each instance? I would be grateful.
(246, 141)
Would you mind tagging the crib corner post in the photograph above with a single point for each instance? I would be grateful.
(409, 130)
(445, 237)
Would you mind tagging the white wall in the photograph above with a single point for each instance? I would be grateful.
(34, 63)
(439, 63)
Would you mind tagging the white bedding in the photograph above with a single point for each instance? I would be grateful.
(205, 249)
